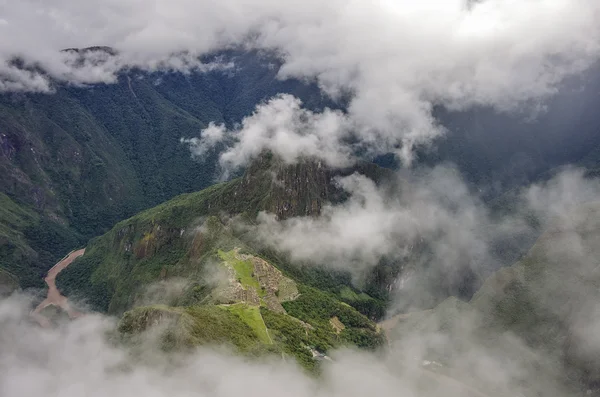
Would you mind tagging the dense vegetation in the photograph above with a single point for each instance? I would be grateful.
(74, 163)
(298, 311)
(30, 241)
(191, 326)
(79, 160)
(84, 158)
(163, 241)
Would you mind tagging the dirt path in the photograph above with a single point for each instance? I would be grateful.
(54, 296)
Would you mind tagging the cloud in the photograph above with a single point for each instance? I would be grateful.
(377, 222)
(211, 137)
(444, 238)
(397, 59)
(81, 358)
(556, 199)
(452, 356)
(282, 126)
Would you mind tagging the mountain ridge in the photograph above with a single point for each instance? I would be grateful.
(84, 158)
(187, 260)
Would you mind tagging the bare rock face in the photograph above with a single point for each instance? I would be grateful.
(300, 189)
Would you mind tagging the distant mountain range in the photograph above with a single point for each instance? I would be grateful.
(539, 313)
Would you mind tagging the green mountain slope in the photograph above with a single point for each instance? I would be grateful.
(171, 238)
(29, 240)
(83, 158)
(253, 307)
(187, 258)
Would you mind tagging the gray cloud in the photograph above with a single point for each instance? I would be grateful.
(211, 137)
(379, 221)
(429, 221)
(450, 355)
(81, 359)
(397, 58)
(400, 58)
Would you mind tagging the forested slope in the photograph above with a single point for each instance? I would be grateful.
(83, 158)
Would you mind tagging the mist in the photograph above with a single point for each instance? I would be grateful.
(85, 357)
(451, 350)
(429, 220)
(393, 66)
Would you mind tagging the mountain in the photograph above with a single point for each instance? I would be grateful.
(161, 242)
(78, 160)
(187, 264)
(548, 300)
(75, 162)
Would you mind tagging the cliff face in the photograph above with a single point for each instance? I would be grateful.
(301, 189)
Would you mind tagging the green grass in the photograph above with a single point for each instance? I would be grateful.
(288, 332)
(244, 269)
(251, 316)
(191, 326)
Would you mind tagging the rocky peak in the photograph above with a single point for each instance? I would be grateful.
(303, 188)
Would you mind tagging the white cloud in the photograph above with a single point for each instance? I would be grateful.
(211, 136)
(429, 218)
(397, 58)
(377, 222)
(81, 358)
(284, 127)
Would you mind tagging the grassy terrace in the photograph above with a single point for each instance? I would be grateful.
(252, 317)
